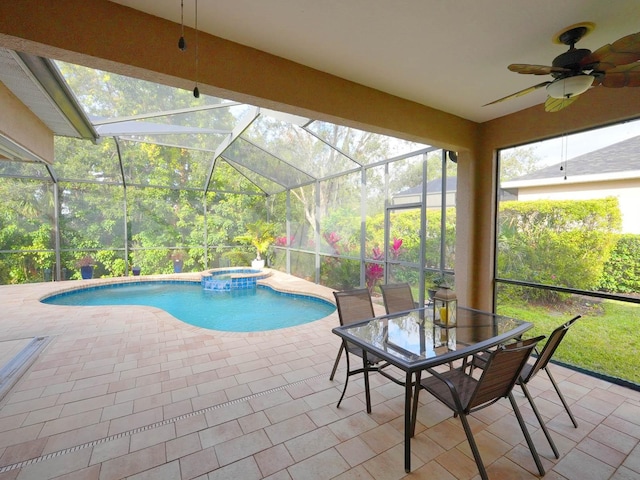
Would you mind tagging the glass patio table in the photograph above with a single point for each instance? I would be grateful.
(412, 341)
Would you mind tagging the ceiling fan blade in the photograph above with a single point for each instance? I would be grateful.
(622, 76)
(621, 52)
(536, 69)
(555, 104)
(520, 93)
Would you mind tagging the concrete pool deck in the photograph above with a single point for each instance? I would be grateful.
(131, 392)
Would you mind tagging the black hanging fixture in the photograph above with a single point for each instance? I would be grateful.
(563, 155)
(182, 45)
(196, 92)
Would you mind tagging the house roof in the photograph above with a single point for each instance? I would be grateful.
(37, 83)
(619, 158)
(433, 187)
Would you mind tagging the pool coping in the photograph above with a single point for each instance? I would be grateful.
(273, 279)
(278, 281)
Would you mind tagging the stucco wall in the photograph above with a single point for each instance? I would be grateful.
(21, 126)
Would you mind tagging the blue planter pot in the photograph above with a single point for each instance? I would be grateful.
(86, 272)
(177, 266)
(136, 271)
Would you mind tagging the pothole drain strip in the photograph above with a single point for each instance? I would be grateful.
(161, 423)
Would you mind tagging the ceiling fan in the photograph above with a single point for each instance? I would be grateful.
(576, 70)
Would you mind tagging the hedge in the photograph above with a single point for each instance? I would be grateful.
(564, 243)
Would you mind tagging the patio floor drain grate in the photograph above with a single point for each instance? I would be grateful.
(51, 455)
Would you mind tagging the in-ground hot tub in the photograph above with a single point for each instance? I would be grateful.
(226, 279)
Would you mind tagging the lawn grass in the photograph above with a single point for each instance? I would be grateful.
(605, 340)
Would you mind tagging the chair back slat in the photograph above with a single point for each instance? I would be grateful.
(550, 348)
(501, 372)
(397, 297)
(354, 305)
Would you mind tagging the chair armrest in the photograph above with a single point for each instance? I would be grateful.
(452, 388)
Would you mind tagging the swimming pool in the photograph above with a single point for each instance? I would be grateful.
(244, 310)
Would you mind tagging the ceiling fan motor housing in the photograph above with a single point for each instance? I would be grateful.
(571, 60)
(568, 84)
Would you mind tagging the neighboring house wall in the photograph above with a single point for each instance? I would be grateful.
(626, 190)
(434, 194)
(433, 200)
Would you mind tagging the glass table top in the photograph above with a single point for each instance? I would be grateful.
(413, 340)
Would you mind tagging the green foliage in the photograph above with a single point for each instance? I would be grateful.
(564, 243)
(26, 220)
(237, 257)
(345, 223)
(227, 215)
(260, 234)
(405, 226)
(340, 273)
(517, 161)
(622, 270)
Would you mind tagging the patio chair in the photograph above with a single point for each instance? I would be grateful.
(354, 306)
(464, 394)
(397, 297)
(532, 368)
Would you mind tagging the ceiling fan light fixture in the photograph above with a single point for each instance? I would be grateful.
(569, 86)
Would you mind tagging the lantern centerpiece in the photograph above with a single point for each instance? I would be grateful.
(445, 306)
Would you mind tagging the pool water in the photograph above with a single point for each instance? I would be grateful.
(245, 310)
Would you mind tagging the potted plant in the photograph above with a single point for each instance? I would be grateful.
(177, 258)
(261, 235)
(137, 258)
(438, 282)
(86, 264)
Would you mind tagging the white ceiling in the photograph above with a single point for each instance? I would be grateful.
(448, 54)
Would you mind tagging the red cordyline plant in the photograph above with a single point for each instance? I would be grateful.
(282, 241)
(332, 239)
(374, 273)
(377, 253)
(395, 248)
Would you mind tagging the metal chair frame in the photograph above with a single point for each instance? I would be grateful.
(530, 370)
(463, 394)
(397, 297)
(355, 306)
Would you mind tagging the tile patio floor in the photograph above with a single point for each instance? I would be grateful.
(134, 393)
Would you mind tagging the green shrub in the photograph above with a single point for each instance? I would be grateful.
(622, 270)
(564, 243)
(340, 273)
